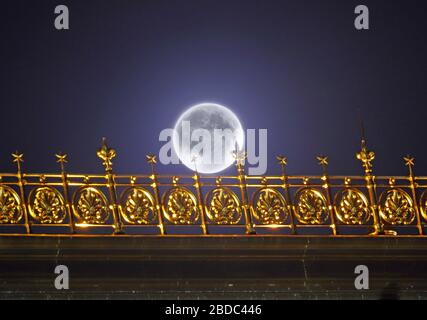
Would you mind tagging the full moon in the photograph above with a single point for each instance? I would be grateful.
(205, 137)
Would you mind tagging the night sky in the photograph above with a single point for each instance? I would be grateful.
(127, 69)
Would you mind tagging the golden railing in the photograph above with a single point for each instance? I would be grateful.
(110, 203)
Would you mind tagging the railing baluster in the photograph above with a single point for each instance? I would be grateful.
(366, 157)
(241, 176)
(409, 162)
(151, 159)
(283, 161)
(18, 158)
(198, 187)
(323, 161)
(107, 154)
(62, 160)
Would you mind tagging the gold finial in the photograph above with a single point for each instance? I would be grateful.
(365, 156)
(264, 180)
(391, 182)
(106, 154)
(240, 157)
(218, 181)
(61, 158)
(18, 157)
(151, 158)
(409, 161)
(323, 161)
(283, 161)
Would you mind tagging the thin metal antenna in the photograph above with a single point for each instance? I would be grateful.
(362, 129)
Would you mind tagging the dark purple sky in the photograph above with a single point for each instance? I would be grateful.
(127, 69)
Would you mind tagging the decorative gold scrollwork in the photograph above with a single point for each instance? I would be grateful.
(180, 206)
(10, 206)
(138, 206)
(311, 206)
(396, 207)
(223, 206)
(352, 207)
(269, 206)
(423, 204)
(90, 206)
(46, 205)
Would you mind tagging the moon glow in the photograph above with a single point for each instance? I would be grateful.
(205, 137)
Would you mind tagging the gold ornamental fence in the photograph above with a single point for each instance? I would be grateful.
(113, 204)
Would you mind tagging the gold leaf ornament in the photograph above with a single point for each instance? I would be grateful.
(270, 207)
(90, 206)
(352, 207)
(396, 207)
(10, 206)
(138, 206)
(46, 205)
(223, 206)
(180, 206)
(311, 206)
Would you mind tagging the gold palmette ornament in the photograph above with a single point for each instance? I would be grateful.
(90, 206)
(46, 205)
(311, 206)
(138, 206)
(180, 206)
(270, 208)
(10, 206)
(223, 206)
(352, 207)
(396, 207)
